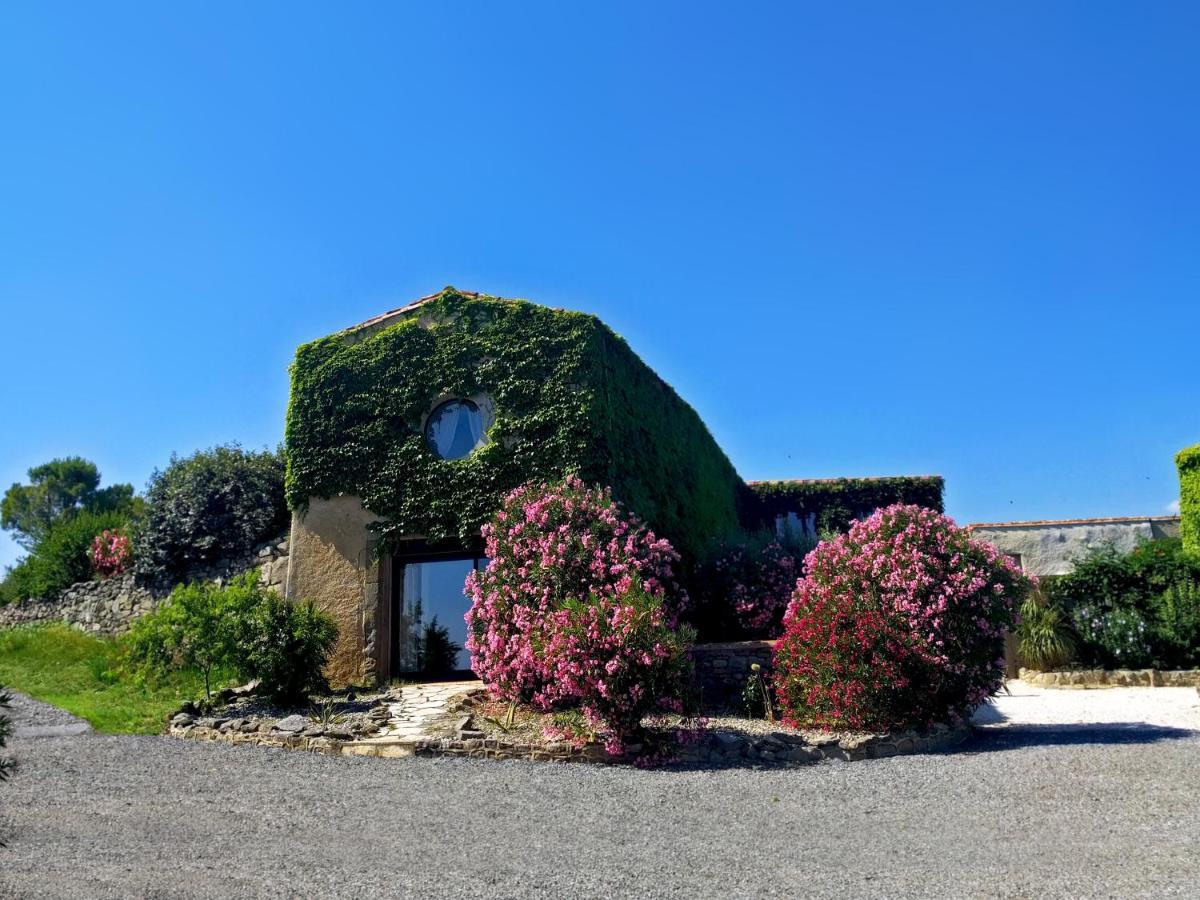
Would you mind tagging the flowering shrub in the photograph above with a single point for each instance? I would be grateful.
(1115, 637)
(745, 588)
(898, 624)
(111, 553)
(578, 608)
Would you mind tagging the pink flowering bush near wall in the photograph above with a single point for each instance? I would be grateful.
(111, 553)
(578, 608)
(898, 624)
(758, 582)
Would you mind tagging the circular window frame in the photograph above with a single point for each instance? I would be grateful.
(487, 417)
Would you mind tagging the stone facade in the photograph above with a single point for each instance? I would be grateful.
(109, 606)
(1051, 548)
(332, 563)
(723, 669)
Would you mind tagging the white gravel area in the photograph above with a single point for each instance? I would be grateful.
(1122, 707)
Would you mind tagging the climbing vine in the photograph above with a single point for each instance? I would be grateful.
(570, 397)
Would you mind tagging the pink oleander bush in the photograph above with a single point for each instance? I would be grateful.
(898, 624)
(111, 553)
(578, 609)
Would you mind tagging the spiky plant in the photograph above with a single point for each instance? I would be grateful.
(6, 764)
(1045, 636)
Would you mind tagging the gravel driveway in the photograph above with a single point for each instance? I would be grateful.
(1025, 812)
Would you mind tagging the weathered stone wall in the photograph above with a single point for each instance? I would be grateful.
(108, 607)
(332, 564)
(722, 670)
(1051, 548)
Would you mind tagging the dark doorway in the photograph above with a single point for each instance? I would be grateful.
(428, 632)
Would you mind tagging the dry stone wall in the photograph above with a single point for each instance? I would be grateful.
(109, 606)
(722, 670)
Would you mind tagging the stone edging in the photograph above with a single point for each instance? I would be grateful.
(1096, 678)
(717, 747)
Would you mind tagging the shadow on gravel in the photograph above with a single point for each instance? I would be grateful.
(988, 740)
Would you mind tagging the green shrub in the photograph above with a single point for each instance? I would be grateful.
(61, 558)
(1045, 636)
(1117, 638)
(198, 626)
(215, 504)
(1188, 463)
(1130, 609)
(242, 627)
(1176, 628)
(285, 646)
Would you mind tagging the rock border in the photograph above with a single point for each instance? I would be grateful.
(1102, 678)
(718, 747)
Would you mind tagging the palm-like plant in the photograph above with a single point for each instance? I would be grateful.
(1045, 636)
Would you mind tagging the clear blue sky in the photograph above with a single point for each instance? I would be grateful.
(893, 238)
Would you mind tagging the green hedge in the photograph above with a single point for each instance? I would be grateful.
(835, 502)
(1188, 462)
(569, 396)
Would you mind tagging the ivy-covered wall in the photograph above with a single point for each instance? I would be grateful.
(569, 396)
(834, 502)
(1188, 463)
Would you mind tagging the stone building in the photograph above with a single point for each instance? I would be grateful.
(404, 433)
(1051, 547)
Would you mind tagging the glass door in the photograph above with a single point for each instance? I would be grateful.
(429, 602)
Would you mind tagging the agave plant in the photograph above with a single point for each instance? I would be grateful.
(1045, 636)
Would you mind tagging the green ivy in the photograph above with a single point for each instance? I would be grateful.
(835, 502)
(570, 397)
(1188, 463)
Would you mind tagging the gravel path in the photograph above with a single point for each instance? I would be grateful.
(32, 718)
(1025, 704)
(1028, 811)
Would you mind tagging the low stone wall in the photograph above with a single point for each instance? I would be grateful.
(1096, 678)
(722, 670)
(106, 607)
(109, 606)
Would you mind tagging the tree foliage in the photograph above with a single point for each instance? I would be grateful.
(56, 491)
(241, 627)
(61, 558)
(215, 504)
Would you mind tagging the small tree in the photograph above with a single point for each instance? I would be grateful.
(56, 491)
(197, 626)
(242, 628)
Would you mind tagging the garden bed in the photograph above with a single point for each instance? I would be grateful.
(1102, 678)
(468, 724)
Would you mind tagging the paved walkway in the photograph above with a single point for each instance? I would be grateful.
(1027, 706)
(419, 706)
(412, 719)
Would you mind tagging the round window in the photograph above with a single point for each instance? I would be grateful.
(455, 428)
